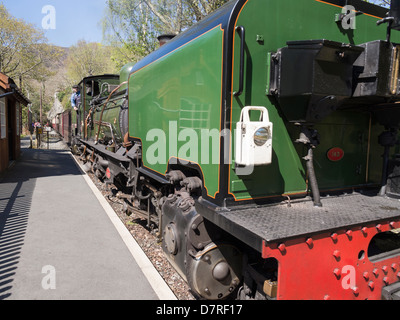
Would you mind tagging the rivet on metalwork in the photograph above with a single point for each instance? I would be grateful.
(282, 248)
(336, 254)
(371, 285)
(337, 273)
(386, 280)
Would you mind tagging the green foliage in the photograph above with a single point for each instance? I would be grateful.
(132, 26)
(64, 96)
(24, 51)
(86, 59)
(26, 56)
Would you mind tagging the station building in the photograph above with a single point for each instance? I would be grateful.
(11, 103)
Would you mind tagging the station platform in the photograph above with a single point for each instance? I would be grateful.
(60, 240)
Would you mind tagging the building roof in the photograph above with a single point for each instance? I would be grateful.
(8, 85)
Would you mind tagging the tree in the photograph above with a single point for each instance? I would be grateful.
(24, 51)
(87, 59)
(26, 56)
(132, 26)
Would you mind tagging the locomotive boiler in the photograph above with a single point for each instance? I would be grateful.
(263, 144)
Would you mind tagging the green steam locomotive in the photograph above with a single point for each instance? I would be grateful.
(263, 144)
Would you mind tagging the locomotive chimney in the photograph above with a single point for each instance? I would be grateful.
(164, 38)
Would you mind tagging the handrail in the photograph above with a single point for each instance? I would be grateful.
(242, 33)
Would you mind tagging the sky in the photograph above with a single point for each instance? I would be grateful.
(64, 22)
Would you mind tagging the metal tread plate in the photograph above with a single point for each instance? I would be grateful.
(274, 223)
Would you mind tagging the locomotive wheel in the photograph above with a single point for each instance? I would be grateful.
(215, 272)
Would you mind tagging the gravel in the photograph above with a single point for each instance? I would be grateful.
(55, 142)
(146, 238)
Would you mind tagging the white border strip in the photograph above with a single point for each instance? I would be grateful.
(158, 284)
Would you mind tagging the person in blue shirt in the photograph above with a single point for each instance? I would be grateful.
(76, 98)
(76, 104)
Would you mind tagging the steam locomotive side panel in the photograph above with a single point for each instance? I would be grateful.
(279, 22)
(175, 109)
(309, 87)
(259, 102)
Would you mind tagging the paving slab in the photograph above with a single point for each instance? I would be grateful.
(57, 240)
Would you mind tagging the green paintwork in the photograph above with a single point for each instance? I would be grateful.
(125, 73)
(111, 112)
(279, 21)
(180, 91)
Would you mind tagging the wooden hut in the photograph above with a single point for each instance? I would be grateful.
(11, 103)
